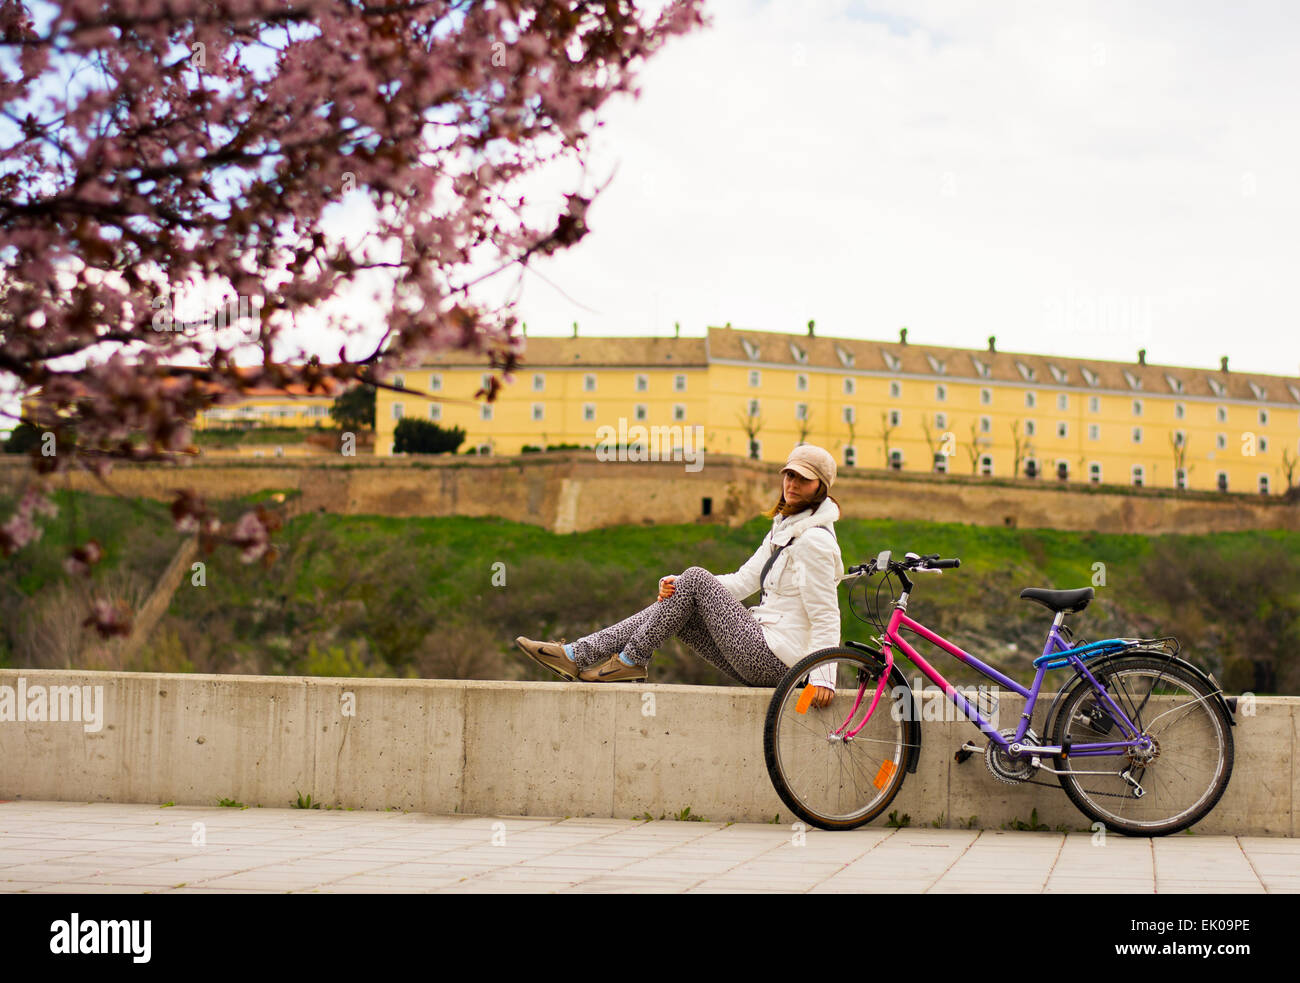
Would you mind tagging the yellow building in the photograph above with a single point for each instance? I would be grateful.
(877, 404)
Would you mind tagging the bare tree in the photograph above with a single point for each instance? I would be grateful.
(977, 443)
(886, 431)
(751, 423)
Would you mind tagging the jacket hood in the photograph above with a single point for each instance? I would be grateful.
(786, 527)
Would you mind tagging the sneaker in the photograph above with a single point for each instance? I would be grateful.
(613, 671)
(551, 655)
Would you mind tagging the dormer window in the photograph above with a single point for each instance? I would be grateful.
(1219, 388)
(1133, 381)
(1026, 371)
(1059, 374)
(846, 357)
(893, 361)
(1259, 391)
(751, 349)
(1089, 376)
(981, 367)
(1295, 392)
(1175, 384)
(799, 354)
(935, 365)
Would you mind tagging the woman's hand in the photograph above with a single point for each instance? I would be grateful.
(666, 587)
(822, 696)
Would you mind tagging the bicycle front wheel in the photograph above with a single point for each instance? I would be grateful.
(828, 775)
(1182, 774)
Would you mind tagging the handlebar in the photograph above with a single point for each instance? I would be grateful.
(930, 563)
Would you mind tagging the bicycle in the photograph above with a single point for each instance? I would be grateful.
(1164, 724)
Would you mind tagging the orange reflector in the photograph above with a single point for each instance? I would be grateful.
(884, 774)
(805, 699)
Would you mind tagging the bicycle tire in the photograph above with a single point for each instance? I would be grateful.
(794, 751)
(1196, 737)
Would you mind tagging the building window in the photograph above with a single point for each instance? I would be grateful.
(1062, 401)
(986, 425)
(754, 378)
(1062, 470)
(1138, 475)
(642, 383)
(539, 382)
(986, 465)
(1180, 411)
(435, 411)
(1180, 479)
(1263, 484)
(485, 411)
(484, 380)
(941, 421)
(1263, 445)
(589, 383)
(1094, 473)
(1180, 438)
(801, 382)
(1221, 441)
(435, 381)
(895, 418)
(1062, 430)
(1094, 432)
(895, 390)
(1223, 481)
(848, 414)
(641, 412)
(1137, 407)
(1030, 400)
(400, 380)
(484, 449)
(848, 387)
(397, 411)
(986, 397)
(801, 411)
(1263, 418)
(679, 383)
(940, 393)
(588, 411)
(679, 411)
(753, 407)
(850, 457)
(1137, 435)
(896, 460)
(1222, 414)
(1030, 428)
(537, 411)
(1094, 404)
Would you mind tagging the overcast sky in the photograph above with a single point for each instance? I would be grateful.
(1078, 179)
(1075, 178)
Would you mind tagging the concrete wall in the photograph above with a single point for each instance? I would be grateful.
(572, 491)
(509, 748)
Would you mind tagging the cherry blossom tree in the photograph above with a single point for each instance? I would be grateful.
(156, 149)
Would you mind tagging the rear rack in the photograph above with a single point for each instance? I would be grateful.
(1168, 646)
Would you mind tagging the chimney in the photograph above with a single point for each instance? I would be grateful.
(902, 336)
(1142, 356)
(810, 328)
(1223, 364)
(992, 341)
(575, 329)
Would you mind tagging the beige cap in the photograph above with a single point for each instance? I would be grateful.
(812, 461)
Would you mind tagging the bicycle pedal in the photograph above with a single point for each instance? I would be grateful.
(965, 751)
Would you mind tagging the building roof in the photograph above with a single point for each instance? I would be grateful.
(972, 365)
(633, 352)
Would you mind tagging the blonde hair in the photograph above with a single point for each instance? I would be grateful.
(785, 508)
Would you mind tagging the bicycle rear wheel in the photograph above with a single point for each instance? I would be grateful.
(827, 778)
(1183, 775)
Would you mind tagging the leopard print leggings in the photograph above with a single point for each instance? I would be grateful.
(704, 615)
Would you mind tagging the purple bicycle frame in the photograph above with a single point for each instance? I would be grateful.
(1055, 644)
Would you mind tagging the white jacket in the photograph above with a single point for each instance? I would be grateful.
(800, 612)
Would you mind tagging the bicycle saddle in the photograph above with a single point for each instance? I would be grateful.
(1069, 601)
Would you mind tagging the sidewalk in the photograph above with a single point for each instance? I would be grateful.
(63, 847)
